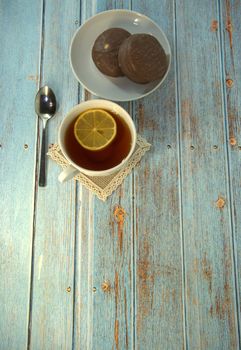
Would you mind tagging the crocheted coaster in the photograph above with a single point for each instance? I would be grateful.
(103, 186)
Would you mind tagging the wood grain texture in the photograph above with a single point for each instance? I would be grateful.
(230, 28)
(18, 79)
(53, 265)
(158, 248)
(104, 287)
(156, 266)
(210, 281)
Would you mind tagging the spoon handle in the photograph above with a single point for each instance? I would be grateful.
(42, 173)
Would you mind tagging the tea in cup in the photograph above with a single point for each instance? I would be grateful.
(97, 137)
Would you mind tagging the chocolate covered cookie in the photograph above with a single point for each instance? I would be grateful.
(105, 51)
(142, 58)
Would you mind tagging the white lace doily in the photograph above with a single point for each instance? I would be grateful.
(103, 186)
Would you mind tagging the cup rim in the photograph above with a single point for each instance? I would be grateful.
(97, 104)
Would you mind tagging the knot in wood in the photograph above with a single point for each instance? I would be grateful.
(220, 203)
(229, 83)
(214, 25)
(233, 141)
(229, 27)
(119, 214)
(106, 286)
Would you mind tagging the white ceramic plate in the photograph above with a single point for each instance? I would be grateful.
(85, 71)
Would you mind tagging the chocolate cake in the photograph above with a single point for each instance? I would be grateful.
(142, 58)
(105, 51)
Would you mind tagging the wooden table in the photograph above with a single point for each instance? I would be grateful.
(165, 274)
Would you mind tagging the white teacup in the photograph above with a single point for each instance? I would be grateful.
(73, 169)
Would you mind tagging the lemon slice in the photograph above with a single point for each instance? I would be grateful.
(95, 129)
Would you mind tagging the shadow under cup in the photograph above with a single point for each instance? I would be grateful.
(108, 160)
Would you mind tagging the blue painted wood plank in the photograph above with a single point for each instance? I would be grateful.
(158, 247)
(230, 29)
(19, 56)
(54, 244)
(104, 309)
(130, 254)
(211, 309)
(104, 287)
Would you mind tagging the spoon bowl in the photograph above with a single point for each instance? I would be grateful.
(45, 108)
(45, 103)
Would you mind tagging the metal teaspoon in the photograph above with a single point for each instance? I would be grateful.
(45, 108)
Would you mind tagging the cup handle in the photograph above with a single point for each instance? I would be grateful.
(67, 174)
